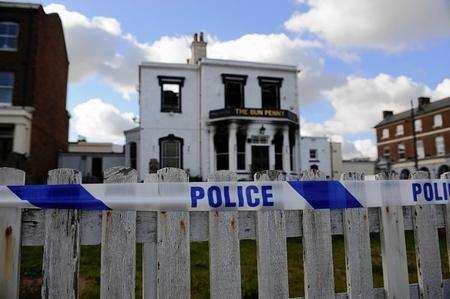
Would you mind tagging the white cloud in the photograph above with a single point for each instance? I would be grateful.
(381, 24)
(101, 122)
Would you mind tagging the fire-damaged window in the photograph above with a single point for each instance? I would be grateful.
(9, 32)
(171, 151)
(241, 139)
(221, 146)
(171, 93)
(234, 90)
(6, 140)
(278, 144)
(270, 92)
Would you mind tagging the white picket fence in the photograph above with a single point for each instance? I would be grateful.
(166, 238)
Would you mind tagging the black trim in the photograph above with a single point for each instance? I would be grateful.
(171, 137)
(171, 80)
(233, 77)
(273, 80)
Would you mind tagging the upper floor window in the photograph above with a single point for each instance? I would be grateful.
(8, 36)
(401, 151)
(234, 90)
(6, 88)
(418, 125)
(399, 130)
(420, 150)
(313, 154)
(437, 121)
(387, 152)
(270, 92)
(171, 151)
(440, 146)
(171, 93)
(385, 133)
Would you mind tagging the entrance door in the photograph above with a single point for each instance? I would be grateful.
(260, 158)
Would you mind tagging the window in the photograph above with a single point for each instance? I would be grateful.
(278, 144)
(387, 152)
(6, 140)
(270, 92)
(171, 93)
(97, 168)
(418, 125)
(385, 133)
(420, 150)
(401, 151)
(313, 154)
(133, 154)
(437, 121)
(221, 145)
(171, 151)
(6, 88)
(241, 139)
(440, 146)
(314, 167)
(8, 36)
(234, 90)
(399, 130)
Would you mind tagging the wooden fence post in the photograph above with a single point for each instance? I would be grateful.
(10, 232)
(393, 247)
(271, 247)
(428, 257)
(173, 251)
(446, 176)
(358, 258)
(224, 252)
(61, 259)
(317, 248)
(118, 249)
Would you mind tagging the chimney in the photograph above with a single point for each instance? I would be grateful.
(423, 101)
(198, 48)
(387, 113)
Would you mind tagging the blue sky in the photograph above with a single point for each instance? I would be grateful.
(358, 57)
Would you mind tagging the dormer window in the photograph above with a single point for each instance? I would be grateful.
(234, 90)
(171, 93)
(270, 92)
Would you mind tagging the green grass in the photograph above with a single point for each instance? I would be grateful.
(90, 267)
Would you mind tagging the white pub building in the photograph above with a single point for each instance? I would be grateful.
(211, 114)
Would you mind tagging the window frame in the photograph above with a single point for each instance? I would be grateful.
(401, 145)
(171, 138)
(385, 136)
(7, 87)
(422, 147)
(278, 82)
(399, 132)
(316, 155)
(17, 25)
(387, 152)
(434, 120)
(440, 137)
(234, 78)
(175, 80)
(418, 128)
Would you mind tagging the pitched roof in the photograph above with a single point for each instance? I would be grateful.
(436, 105)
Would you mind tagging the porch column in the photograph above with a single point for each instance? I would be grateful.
(212, 150)
(286, 150)
(232, 147)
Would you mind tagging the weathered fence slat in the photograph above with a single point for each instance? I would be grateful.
(118, 249)
(358, 257)
(393, 248)
(224, 252)
(10, 230)
(271, 247)
(428, 257)
(317, 248)
(173, 251)
(61, 244)
(149, 256)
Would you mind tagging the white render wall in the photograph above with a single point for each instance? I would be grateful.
(322, 145)
(203, 91)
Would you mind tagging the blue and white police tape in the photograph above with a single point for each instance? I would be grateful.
(292, 195)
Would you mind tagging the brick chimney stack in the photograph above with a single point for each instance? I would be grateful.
(423, 101)
(198, 48)
(387, 113)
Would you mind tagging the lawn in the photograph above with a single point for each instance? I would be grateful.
(90, 267)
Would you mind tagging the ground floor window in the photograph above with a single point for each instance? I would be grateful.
(6, 140)
(171, 151)
(241, 139)
(221, 145)
(133, 154)
(278, 144)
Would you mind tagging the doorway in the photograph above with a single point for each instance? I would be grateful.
(260, 158)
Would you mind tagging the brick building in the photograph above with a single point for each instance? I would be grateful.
(33, 86)
(428, 127)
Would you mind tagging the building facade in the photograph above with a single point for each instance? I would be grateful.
(33, 86)
(92, 159)
(212, 114)
(421, 135)
(315, 154)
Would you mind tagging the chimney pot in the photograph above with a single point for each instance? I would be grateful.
(423, 101)
(201, 36)
(387, 113)
(198, 48)
(195, 37)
